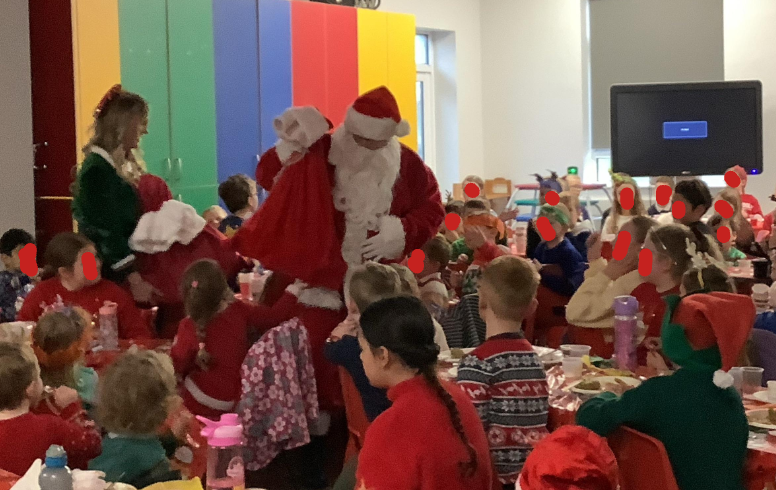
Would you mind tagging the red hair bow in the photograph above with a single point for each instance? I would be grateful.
(113, 92)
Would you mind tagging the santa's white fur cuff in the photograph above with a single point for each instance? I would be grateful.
(392, 231)
(321, 298)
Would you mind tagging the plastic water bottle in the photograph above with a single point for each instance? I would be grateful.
(625, 332)
(521, 238)
(109, 326)
(55, 475)
(225, 467)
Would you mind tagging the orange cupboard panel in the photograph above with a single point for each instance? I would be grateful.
(96, 59)
(308, 48)
(341, 61)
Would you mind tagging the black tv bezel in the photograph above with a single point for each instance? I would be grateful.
(616, 90)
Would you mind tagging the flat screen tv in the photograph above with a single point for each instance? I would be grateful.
(686, 128)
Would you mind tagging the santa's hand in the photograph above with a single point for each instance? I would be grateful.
(388, 243)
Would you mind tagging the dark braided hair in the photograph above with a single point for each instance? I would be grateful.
(404, 327)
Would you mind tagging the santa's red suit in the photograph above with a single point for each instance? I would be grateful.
(334, 204)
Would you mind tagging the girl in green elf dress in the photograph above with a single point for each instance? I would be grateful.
(695, 412)
(105, 200)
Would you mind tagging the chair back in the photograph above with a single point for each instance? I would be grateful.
(600, 340)
(765, 345)
(354, 412)
(643, 461)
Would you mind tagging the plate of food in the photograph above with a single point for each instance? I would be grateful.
(763, 418)
(599, 384)
(454, 355)
(548, 356)
(761, 396)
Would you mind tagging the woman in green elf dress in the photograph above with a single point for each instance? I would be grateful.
(105, 200)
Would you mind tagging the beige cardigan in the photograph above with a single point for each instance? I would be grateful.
(591, 305)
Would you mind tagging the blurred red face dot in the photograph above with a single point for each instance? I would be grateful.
(663, 194)
(545, 229)
(732, 179)
(645, 262)
(724, 208)
(626, 198)
(415, 263)
(678, 210)
(90, 266)
(621, 245)
(723, 234)
(472, 190)
(452, 221)
(552, 198)
(27, 259)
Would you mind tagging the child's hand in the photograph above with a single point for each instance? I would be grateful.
(65, 396)
(463, 259)
(142, 291)
(653, 343)
(537, 265)
(348, 327)
(180, 424)
(594, 246)
(509, 215)
(456, 279)
(474, 237)
(615, 269)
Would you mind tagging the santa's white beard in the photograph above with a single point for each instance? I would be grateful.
(363, 188)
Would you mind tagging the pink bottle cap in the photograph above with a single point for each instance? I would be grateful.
(224, 433)
(108, 308)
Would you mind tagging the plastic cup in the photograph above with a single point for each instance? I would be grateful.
(575, 350)
(772, 391)
(245, 279)
(572, 367)
(738, 378)
(752, 379)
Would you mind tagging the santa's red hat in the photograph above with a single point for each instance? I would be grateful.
(571, 458)
(375, 116)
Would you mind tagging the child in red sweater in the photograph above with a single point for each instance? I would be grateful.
(214, 338)
(70, 286)
(431, 437)
(24, 436)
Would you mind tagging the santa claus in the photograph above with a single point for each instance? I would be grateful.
(335, 201)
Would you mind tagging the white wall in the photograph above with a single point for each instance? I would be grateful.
(534, 86)
(16, 188)
(750, 51)
(462, 17)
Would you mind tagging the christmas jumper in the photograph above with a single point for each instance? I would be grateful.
(13, 285)
(139, 461)
(571, 263)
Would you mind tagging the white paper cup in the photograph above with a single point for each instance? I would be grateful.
(772, 391)
(745, 264)
(575, 350)
(572, 367)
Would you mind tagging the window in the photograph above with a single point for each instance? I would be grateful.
(424, 96)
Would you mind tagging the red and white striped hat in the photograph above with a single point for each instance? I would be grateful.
(375, 116)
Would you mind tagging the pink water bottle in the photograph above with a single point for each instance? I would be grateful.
(625, 332)
(225, 468)
(109, 326)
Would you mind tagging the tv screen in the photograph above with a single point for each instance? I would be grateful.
(686, 128)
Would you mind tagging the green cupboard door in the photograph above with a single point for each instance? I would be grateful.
(192, 92)
(143, 37)
(200, 198)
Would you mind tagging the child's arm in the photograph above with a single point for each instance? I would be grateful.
(594, 299)
(78, 435)
(262, 317)
(487, 252)
(343, 352)
(636, 408)
(472, 374)
(185, 348)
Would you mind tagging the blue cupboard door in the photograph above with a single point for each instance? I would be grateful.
(275, 76)
(236, 46)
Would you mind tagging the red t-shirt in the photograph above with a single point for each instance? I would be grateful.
(227, 342)
(652, 304)
(91, 298)
(25, 438)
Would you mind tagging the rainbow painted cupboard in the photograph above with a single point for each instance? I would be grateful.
(215, 74)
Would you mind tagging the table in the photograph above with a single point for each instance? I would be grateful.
(587, 188)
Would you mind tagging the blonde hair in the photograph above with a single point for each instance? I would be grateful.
(511, 284)
(638, 208)
(409, 284)
(136, 393)
(476, 179)
(59, 342)
(671, 241)
(571, 201)
(642, 224)
(371, 282)
(216, 210)
(110, 123)
(18, 370)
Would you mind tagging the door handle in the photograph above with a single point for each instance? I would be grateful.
(168, 174)
(37, 146)
(179, 197)
(179, 164)
(35, 167)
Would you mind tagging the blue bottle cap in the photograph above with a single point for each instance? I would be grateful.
(56, 457)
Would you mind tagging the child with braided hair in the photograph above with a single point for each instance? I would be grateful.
(410, 445)
(215, 336)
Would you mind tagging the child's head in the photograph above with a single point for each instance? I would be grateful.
(136, 393)
(571, 201)
(239, 193)
(665, 180)
(438, 253)
(60, 340)
(716, 222)
(508, 289)
(546, 185)
(696, 197)
(397, 338)
(11, 243)
(214, 215)
(204, 289)
(560, 218)
(472, 179)
(708, 278)
(732, 197)
(638, 228)
(370, 282)
(409, 284)
(64, 259)
(572, 183)
(739, 170)
(475, 206)
(455, 207)
(670, 259)
(621, 181)
(20, 381)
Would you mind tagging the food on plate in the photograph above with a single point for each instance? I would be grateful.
(589, 385)
(772, 416)
(618, 387)
(457, 353)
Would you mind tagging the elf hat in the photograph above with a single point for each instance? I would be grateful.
(721, 319)
(375, 116)
(571, 458)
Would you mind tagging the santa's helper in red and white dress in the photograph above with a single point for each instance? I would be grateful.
(335, 201)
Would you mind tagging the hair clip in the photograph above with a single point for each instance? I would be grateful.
(110, 95)
(194, 284)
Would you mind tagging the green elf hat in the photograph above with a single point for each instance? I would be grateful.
(620, 178)
(559, 213)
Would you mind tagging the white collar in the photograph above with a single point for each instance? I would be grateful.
(104, 154)
(663, 209)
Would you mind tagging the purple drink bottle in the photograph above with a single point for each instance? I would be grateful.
(625, 332)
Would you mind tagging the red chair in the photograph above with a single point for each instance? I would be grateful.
(600, 340)
(354, 412)
(550, 325)
(643, 461)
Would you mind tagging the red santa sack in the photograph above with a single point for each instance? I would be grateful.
(294, 231)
